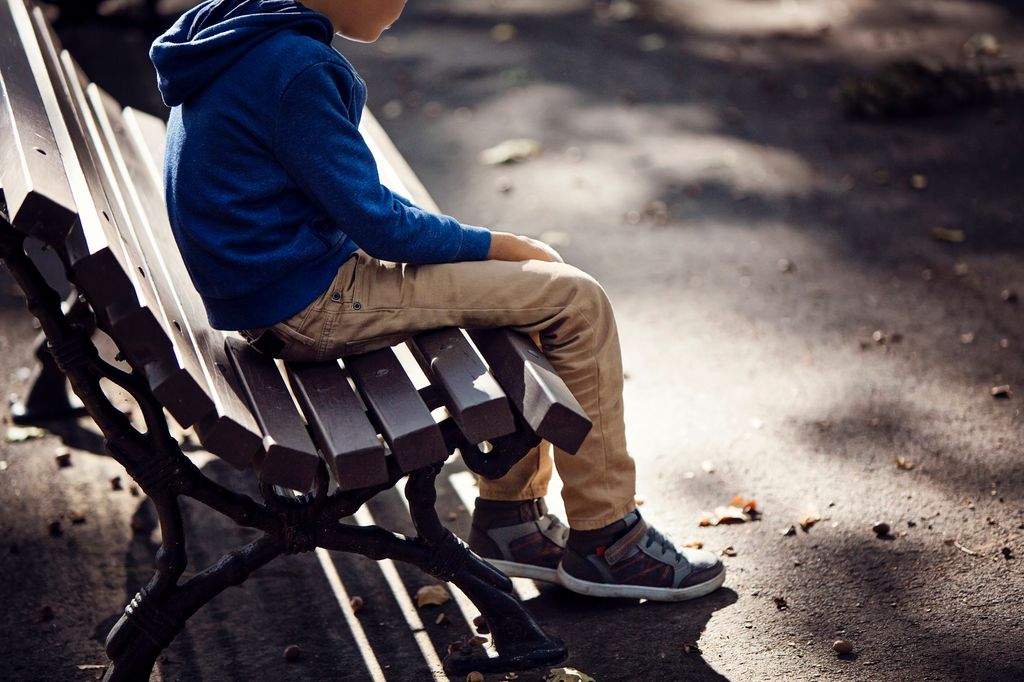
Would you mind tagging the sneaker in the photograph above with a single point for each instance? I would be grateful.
(520, 539)
(640, 563)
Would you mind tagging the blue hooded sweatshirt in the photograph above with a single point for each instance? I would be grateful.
(270, 187)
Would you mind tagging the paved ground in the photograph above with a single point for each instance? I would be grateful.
(786, 236)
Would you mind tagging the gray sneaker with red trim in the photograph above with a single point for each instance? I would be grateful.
(520, 539)
(640, 564)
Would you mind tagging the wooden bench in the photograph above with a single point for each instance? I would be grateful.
(83, 175)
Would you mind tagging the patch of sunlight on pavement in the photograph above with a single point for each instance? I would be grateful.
(744, 16)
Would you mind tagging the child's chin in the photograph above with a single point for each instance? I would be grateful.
(362, 37)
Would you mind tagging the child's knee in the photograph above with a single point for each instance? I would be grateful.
(587, 291)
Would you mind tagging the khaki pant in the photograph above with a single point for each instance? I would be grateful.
(373, 304)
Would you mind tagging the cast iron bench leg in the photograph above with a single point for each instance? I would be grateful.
(151, 621)
(520, 641)
(48, 396)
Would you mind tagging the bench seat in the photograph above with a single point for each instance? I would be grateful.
(85, 177)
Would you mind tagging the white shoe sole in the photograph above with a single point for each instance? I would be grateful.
(639, 591)
(516, 570)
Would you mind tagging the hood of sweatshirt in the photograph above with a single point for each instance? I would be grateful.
(207, 39)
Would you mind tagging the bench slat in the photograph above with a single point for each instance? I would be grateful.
(474, 399)
(36, 189)
(87, 235)
(152, 131)
(230, 431)
(404, 421)
(536, 391)
(347, 440)
(291, 459)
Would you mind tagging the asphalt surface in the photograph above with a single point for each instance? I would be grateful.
(790, 328)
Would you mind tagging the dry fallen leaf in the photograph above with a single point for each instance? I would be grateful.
(511, 151)
(19, 434)
(432, 595)
(904, 463)
(620, 10)
(965, 550)
(982, 44)
(567, 675)
(1001, 391)
(944, 234)
(738, 510)
(730, 514)
(696, 544)
(503, 33)
(809, 520)
(652, 42)
(729, 551)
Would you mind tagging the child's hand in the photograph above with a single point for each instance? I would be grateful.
(513, 247)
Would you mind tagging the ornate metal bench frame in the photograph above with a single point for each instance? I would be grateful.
(290, 523)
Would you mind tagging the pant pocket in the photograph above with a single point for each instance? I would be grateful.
(373, 343)
(291, 335)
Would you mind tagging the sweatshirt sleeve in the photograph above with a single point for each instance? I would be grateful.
(323, 151)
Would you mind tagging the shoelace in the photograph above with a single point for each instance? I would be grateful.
(654, 537)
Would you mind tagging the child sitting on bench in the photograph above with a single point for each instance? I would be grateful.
(290, 238)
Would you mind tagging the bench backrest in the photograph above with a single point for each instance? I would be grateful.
(83, 175)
